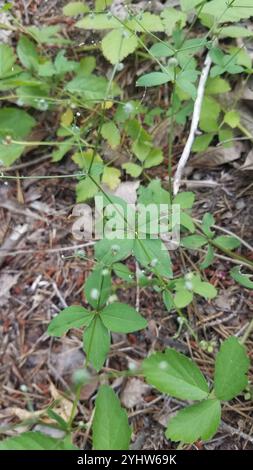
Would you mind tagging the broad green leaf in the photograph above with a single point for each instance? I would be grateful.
(101, 5)
(110, 428)
(222, 13)
(195, 422)
(154, 158)
(168, 300)
(243, 279)
(146, 22)
(193, 242)
(172, 18)
(96, 341)
(161, 49)
(209, 257)
(99, 21)
(48, 35)
(63, 65)
(75, 8)
(132, 169)
(228, 242)
(173, 373)
(183, 298)
(207, 222)
(232, 118)
(88, 187)
(187, 222)
(205, 289)
(153, 79)
(121, 318)
(231, 367)
(64, 148)
(71, 317)
(226, 137)
(217, 85)
(27, 53)
(123, 272)
(7, 60)
(97, 287)
(187, 5)
(202, 142)
(210, 113)
(184, 199)
(234, 32)
(35, 441)
(111, 251)
(17, 124)
(91, 88)
(118, 44)
(111, 177)
(152, 253)
(110, 132)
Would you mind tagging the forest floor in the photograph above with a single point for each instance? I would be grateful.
(39, 275)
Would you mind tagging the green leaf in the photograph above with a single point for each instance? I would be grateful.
(99, 22)
(223, 14)
(217, 85)
(110, 132)
(118, 44)
(193, 242)
(168, 300)
(210, 113)
(172, 18)
(110, 427)
(47, 35)
(91, 88)
(35, 441)
(75, 8)
(243, 279)
(96, 341)
(187, 5)
(232, 118)
(187, 222)
(154, 158)
(110, 251)
(132, 169)
(173, 373)
(71, 317)
(205, 289)
(202, 142)
(195, 422)
(17, 124)
(123, 272)
(64, 148)
(88, 187)
(98, 287)
(228, 242)
(152, 253)
(7, 60)
(63, 65)
(207, 222)
(121, 318)
(160, 49)
(234, 32)
(111, 177)
(153, 79)
(27, 53)
(146, 22)
(184, 199)
(209, 257)
(231, 367)
(183, 298)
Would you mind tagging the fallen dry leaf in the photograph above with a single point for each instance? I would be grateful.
(216, 156)
(7, 281)
(133, 392)
(248, 164)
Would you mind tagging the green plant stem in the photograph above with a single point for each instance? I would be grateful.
(74, 407)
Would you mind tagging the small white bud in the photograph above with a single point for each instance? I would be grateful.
(94, 294)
